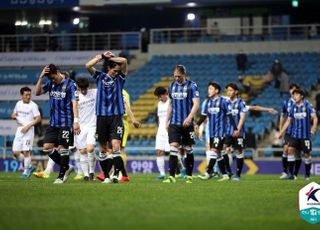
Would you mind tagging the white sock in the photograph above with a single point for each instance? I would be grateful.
(84, 164)
(180, 162)
(27, 163)
(77, 160)
(208, 156)
(230, 159)
(92, 162)
(50, 165)
(160, 164)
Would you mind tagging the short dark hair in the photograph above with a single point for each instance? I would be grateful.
(299, 91)
(294, 85)
(107, 63)
(24, 89)
(160, 91)
(53, 69)
(83, 83)
(233, 86)
(215, 85)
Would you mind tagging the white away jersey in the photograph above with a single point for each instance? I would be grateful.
(26, 112)
(87, 108)
(162, 115)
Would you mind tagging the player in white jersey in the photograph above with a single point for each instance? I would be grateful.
(86, 140)
(162, 139)
(27, 114)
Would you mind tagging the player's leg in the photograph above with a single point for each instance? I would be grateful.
(77, 156)
(307, 148)
(162, 145)
(80, 154)
(212, 158)
(91, 158)
(48, 170)
(124, 177)
(297, 164)
(239, 146)
(284, 173)
(226, 150)
(17, 148)
(188, 142)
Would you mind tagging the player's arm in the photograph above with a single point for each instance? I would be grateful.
(284, 127)
(282, 121)
(38, 87)
(262, 109)
(202, 128)
(314, 120)
(76, 126)
(202, 118)
(13, 115)
(35, 121)
(90, 64)
(135, 123)
(193, 112)
(169, 111)
(240, 124)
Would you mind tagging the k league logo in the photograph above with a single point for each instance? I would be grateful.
(309, 203)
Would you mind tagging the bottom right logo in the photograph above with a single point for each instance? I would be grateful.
(309, 203)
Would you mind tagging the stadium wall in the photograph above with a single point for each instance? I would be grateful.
(234, 47)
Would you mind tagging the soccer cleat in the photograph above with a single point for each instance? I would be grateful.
(30, 170)
(283, 175)
(215, 175)
(115, 179)
(205, 176)
(58, 181)
(183, 173)
(41, 175)
(91, 177)
(106, 181)
(230, 174)
(68, 172)
(290, 177)
(170, 179)
(236, 178)
(24, 176)
(161, 177)
(78, 177)
(124, 179)
(85, 178)
(307, 177)
(224, 178)
(101, 177)
(189, 179)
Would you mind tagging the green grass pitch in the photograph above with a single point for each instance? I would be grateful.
(257, 202)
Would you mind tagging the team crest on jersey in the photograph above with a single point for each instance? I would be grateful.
(185, 88)
(107, 84)
(217, 104)
(303, 109)
(236, 106)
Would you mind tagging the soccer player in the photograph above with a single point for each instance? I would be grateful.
(216, 110)
(239, 109)
(301, 116)
(109, 110)
(183, 105)
(64, 120)
(86, 140)
(286, 107)
(162, 139)
(27, 115)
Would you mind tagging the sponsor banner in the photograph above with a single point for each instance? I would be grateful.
(148, 165)
(62, 58)
(8, 127)
(309, 203)
(12, 93)
(119, 2)
(38, 3)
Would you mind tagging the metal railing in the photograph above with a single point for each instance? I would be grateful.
(232, 34)
(70, 42)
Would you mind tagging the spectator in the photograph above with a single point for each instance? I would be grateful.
(312, 32)
(241, 60)
(215, 31)
(279, 76)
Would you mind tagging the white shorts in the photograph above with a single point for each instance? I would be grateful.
(86, 137)
(23, 141)
(162, 142)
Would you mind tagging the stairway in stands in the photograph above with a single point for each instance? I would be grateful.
(144, 107)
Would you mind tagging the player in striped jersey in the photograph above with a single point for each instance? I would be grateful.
(239, 109)
(286, 107)
(216, 110)
(64, 120)
(304, 122)
(109, 110)
(184, 103)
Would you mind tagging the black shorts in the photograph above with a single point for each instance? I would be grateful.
(59, 136)
(286, 139)
(234, 142)
(216, 143)
(109, 128)
(181, 135)
(303, 145)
